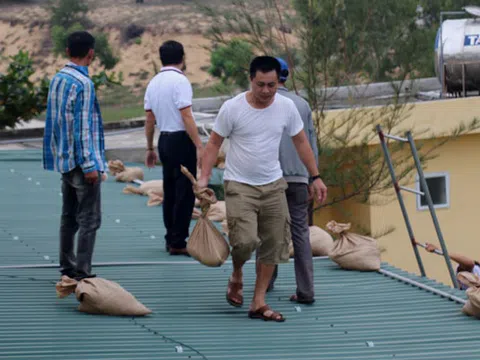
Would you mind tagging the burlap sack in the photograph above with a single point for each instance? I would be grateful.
(353, 251)
(468, 279)
(472, 307)
(320, 241)
(155, 198)
(101, 296)
(145, 188)
(130, 174)
(206, 244)
(124, 174)
(216, 212)
(115, 167)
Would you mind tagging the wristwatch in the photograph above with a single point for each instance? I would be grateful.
(313, 178)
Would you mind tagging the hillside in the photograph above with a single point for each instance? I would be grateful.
(25, 26)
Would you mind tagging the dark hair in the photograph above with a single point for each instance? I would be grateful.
(171, 53)
(79, 44)
(264, 64)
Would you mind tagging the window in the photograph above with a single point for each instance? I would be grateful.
(439, 187)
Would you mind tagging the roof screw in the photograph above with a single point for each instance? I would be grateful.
(298, 309)
(12, 170)
(46, 257)
(117, 221)
(179, 349)
(15, 238)
(37, 183)
(370, 344)
(29, 179)
(152, 237)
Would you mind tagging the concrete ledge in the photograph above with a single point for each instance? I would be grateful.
(38, 132)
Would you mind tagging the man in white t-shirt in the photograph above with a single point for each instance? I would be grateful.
(257, 210)
(168, 103)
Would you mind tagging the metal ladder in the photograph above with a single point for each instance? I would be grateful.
(425, 192)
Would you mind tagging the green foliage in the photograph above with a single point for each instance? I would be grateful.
(230, 62)
(66, 13)
(20, 98)
(69, 16)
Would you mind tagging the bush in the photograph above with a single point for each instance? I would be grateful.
(230, 63)
(20, 98)
(132, 31)
(66, 13)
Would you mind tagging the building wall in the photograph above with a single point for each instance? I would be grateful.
(460, 158)
(459, 223)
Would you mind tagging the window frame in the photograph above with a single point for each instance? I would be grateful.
(443, 174)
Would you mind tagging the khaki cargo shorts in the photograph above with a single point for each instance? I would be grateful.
(258, 219)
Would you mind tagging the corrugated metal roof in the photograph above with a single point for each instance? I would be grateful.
(356, 316)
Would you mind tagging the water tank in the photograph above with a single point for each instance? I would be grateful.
(461, 52)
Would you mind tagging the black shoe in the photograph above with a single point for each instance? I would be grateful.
(183, 251)
(81, 277)
(70, 273)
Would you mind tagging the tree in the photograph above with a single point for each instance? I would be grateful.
(230, 63)
(344, 42)
(68, 16)
(20, 98)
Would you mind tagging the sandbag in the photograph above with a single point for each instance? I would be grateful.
(145, 188)
(115, 167)
(472, 307)
(130, 174)
(123, 173)
(206, 244)
(155, 198)
(101, 296)
(320, 241)
(353, 251)
(216, 212)
(468, 279)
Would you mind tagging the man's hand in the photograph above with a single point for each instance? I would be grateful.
(202, 182)
(151, 158)
(199, 156)
(320, 190)
(430, 247)
(92, 177)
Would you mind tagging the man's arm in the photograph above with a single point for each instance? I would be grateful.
(305, 152)
(83, 127)
(312, 136)
(150, 129)
(209, 157)
(465, 262)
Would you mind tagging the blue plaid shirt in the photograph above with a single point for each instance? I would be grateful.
(73, 127)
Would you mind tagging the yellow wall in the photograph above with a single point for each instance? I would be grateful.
(459, 223)
(461, 159)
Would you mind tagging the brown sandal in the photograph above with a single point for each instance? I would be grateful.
(235, 293)
(261, 313)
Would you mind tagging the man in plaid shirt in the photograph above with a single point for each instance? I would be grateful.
(73, 145)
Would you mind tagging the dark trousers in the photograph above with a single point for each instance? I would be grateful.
(297, 198)
(81, 212)
(176, 149)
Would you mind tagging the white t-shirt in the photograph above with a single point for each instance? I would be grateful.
(255, 134)
(168, 93)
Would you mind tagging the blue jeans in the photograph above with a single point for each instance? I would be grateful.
(81, 212)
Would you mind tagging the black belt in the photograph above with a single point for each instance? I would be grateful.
(166, 133)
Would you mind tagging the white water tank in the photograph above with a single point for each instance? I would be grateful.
(461, 47)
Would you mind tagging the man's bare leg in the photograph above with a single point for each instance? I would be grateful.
(264, 274)
(235, 283)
